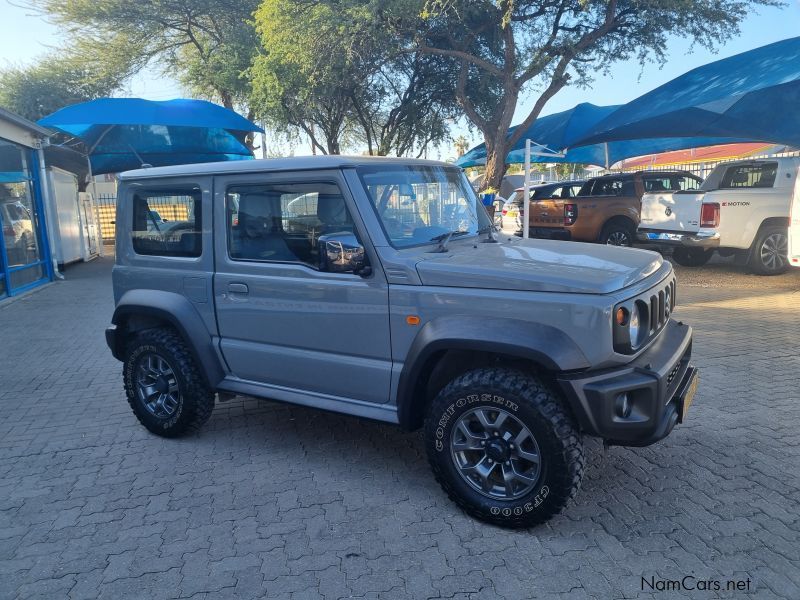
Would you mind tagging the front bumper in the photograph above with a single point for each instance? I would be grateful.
(639, 403)
(701, 239)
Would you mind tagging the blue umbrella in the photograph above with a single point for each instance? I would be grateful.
(753, 96)
(124, 133)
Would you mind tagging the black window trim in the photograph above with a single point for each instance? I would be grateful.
(295, 263)
(188, 189)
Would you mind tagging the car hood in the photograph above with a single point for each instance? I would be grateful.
(538, 265)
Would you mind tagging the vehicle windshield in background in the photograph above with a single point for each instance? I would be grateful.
(419, 204)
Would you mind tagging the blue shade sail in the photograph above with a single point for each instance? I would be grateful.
(124, 133)
(751, 96)
(559, 132)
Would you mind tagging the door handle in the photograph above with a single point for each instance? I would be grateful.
(238, 288)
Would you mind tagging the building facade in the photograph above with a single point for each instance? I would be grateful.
(25, 257)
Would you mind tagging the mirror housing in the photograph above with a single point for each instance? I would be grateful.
(342, 253)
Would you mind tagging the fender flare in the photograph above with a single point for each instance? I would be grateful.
(176, 310)
(542, 344)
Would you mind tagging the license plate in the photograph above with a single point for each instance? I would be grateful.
(688, 396)
(664, 236)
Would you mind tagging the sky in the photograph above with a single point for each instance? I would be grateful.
(26, 36)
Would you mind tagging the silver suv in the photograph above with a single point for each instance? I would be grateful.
(379, 288)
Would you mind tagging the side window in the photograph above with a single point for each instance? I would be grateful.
(283, 222)
(167, 222)
(607, 187)
(750, 176)
(686, 182)
(657, 184)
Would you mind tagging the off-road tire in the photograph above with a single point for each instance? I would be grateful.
(769, 236)
(541, 411)
(691, 257)
(617, 229)
(196, 399)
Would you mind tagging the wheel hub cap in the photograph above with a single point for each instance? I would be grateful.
(156, 385)
(495, 453)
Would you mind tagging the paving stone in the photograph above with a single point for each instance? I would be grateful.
(271, 500)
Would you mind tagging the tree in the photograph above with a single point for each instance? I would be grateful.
(501, 49)
(51, 84)
(331, 70)
(206, 44)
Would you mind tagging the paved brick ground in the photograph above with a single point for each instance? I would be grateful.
(284, 502)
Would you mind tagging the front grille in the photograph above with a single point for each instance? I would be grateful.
(655, 307)
(676, 369)
(661, 305)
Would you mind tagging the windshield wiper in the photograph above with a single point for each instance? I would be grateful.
(444, 238)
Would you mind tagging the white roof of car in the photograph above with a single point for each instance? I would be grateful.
(296, 163)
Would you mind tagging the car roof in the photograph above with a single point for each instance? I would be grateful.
(295, 163)
(541, 185)
(633, 174)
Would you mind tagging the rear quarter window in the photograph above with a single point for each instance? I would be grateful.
(166, 222)
(749, 176)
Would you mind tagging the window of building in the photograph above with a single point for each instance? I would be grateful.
(283, 222)
(167, 222)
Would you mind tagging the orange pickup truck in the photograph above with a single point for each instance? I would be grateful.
(606, 209)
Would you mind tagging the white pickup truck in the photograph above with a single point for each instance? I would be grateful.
(794, 229)
(741, 209)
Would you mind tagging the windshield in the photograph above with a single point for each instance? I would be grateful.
(419, 204)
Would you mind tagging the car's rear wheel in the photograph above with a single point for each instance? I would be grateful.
(691, 257)
(769, 255)
(617, 233)
(503, 447)
(163, 384)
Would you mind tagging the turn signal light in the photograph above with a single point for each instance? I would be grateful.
(622, 317)
(570, 213)
(709, 214)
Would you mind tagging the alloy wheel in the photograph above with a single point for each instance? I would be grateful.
(495, 453)
(157, 386)
(618, 238)
(773, 251)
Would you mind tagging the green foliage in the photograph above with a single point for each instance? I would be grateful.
(502, 49)
(333, 70)
(206, 44)
(51, 84)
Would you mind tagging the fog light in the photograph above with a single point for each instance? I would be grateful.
(622, 406)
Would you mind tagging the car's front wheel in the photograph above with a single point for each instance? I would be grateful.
(503, 447)
(163, 384)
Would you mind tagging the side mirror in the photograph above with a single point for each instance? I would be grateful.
(342, 253)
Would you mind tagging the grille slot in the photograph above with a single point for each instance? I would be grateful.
(653, 303)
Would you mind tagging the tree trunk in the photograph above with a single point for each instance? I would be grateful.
(495, 165)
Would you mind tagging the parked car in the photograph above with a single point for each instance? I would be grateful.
(17, 223)
(397, 324)
(514, 209)
(794, 227)
(605, 209)
(741, 209)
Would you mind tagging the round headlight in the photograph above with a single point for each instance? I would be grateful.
(634, 325)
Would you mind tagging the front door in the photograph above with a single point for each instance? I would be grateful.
(282, 321)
